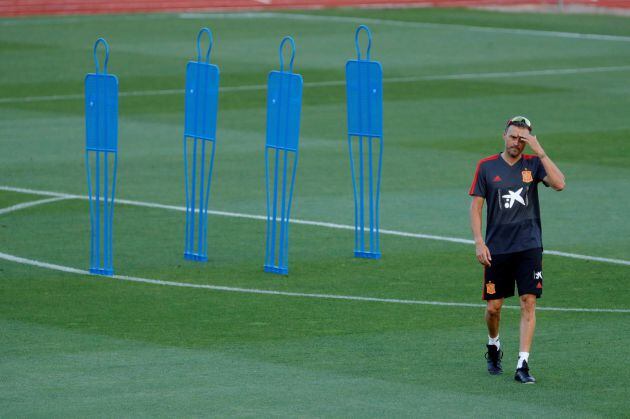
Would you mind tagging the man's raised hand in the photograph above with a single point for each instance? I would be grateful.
(532, 142)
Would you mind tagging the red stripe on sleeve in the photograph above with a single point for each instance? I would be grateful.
(474, 182)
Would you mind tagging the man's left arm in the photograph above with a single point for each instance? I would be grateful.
(555, 178)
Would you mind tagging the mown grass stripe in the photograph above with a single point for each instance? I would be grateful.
(68, 269)
(311, 223)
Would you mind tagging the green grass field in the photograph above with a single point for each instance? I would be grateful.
(80, 345)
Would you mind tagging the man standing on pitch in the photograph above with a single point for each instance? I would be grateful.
(512, 251)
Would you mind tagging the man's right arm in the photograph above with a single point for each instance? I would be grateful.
(476, 211)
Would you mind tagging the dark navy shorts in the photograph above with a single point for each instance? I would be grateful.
(521, 268)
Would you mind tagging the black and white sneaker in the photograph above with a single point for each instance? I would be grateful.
(522, 375)
(493, 356)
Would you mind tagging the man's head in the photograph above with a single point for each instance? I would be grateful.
(514, 129)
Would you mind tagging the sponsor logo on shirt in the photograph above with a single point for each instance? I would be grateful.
(497, 178)
(512, 197)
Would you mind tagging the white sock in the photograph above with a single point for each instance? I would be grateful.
(522, 357)
(494, 341)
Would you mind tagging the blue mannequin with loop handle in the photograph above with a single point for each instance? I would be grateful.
(284, 105)
(201, 109)
(364, 90)
(101, 160)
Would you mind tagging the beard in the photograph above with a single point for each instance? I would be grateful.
(514, 151)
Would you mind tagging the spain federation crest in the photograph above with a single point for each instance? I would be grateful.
(490, 288)
(527, 176)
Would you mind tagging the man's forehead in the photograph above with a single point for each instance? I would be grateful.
(516, 131)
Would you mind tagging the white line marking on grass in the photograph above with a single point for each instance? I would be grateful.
(49, 98)
(68, 269)
(331, 83)
(29, 204)
(406, 24)
(40, 192)
(136, 93)
(507, 74)
(309, 222)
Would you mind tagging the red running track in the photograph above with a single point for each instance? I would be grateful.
(71, 7)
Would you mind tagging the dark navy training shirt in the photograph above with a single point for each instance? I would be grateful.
(511, 193)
